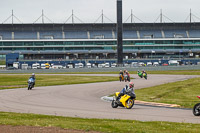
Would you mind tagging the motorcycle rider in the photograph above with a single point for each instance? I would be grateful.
(120, 72)
(33, 77)
(128, 89)
(121, 75)
(129, 77)
(144, 72)
(125, 75)
(140, 74)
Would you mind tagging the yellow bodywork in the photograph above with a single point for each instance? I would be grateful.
(121, 76)
(144, 74)
(123, 99)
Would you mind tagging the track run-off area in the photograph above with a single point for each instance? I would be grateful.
(84, 100)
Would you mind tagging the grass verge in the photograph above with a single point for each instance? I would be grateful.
(171, 72)
(20, 81)
(176, 72)
(182, 93)
(101, 125)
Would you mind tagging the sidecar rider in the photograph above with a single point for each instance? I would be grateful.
(128, 89)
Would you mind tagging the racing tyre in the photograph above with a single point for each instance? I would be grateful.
(129, 103)
(196, 109)
(114, 104)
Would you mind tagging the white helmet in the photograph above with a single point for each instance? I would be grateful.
(33, 74)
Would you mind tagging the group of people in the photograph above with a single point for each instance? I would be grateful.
(128, 89)
(124, 76)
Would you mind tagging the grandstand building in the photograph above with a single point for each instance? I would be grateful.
(98, 41)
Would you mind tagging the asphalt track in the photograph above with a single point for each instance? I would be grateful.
(84, 100)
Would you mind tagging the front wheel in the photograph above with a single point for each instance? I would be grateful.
(129, 103)
(29, 87)
(120, 79)
(114, 104)
(196, 109)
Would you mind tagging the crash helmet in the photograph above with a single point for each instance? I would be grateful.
(131, 84)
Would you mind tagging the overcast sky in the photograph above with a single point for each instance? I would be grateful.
(59, 11)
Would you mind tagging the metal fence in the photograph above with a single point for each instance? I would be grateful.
(116, 69)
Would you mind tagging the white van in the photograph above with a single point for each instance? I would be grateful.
(43, 66)
(80, 65)
(100, 65)
(89, 65)
(76, 65)
(107, 65)
(36, 66)
(149, 63)
(134, 64)
(113, 65)
(155, 64)
(141, 64)
(173, 62)
(16, 65)
(70, 66)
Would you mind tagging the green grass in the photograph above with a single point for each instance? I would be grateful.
(101, 125)
(171, 72)
(175, 72)
(182, 93)
(20, 81)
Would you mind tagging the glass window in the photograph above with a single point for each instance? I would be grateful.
(7, 43)
(178, 42)
(28, 43)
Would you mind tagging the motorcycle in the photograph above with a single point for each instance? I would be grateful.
(125, 101)
(140, 74)
(145, 75)
(31, 82)
(128, 79)
(196, 108)
(121, 77)
(125, 77)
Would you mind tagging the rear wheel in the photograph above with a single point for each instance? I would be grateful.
(196, 109)
(129, 103)
(114, 104)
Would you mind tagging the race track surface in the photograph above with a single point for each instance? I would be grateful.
(84, 100)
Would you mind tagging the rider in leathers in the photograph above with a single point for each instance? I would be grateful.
(128, 89)
(33, 76)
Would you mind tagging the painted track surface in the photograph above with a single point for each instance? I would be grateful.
(84, 101)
